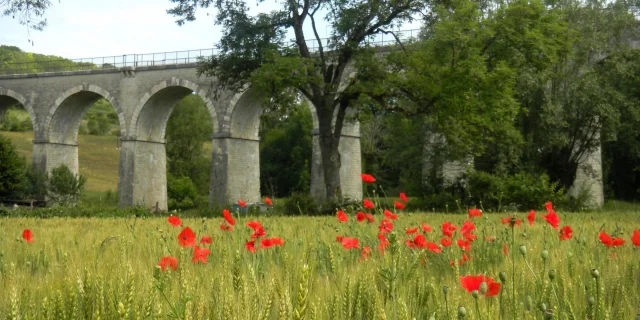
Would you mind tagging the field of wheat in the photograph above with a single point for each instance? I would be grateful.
(376, 264)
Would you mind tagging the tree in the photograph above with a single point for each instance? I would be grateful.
(253, 51)
(64, 187)
(12, 170)
(28, 12)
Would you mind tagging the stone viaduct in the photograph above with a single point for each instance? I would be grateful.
(143, 98)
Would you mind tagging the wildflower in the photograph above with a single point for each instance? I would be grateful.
(364, 254)
(398, 205)
(403, 197)
(187, 238)
(507, 220)
(531, 217)
(174, 221)
(384, 242)
(425, 227)
(474, 213)
(445, 242)
(270, 242)
(342, 216)
(467, 227)
(553, 219)
(339, 238)
(433, 247)
(565, 233)
(390, 215)
(205, 240)
(548, 206)
(254, 225)
(610, 242)
(367, 178)
(27, 235)
(170, 262)
(385, 226)
(242, 203)
(225, 227)
(200, 255)
(411, 230)
(360, 216)
(465, 245)
(448, 228)
(251, 246)
(258, 232)
(471, 283)
(268, 201)
(490, 238)
(350, 243)
(367, 204)
(635, 239)
(369, 217)
(228, 217)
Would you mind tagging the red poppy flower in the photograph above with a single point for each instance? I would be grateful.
(411, 230)
(465, 245)
(267, 243)
(565, 233)
(467, 227)
(369, 217)
(170, 262)
(474, 213)
(339, 238)
(384, 242)
(553, 219)
(228, 217)
(425, 227)
(531, 217)
(175, 221)
(254, 225)
(364, 254)
(350, 243)
(268, 201)
(251, 246)
(360, 216)
(420, 241)
(367, 178)
(200, 255)
(242, 203)
(507, 220)
(403, 197)
(410, 244)
(342, 216)
(469, 236)
(259, 232)
(635, 239)
(187, 238)
(206, 240)
(385, 226)
(471, 283)
(390, 215)
(433, 247)
(27, 235)
(445, 242)
(610, 242)
(368, 204)
(462, 261)
(448, 228)
(505, 249)
(548, 206)
(398, 205)
(225, 227)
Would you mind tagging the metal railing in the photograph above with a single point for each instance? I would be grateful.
(167, 58)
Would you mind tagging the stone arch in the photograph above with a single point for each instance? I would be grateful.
(63, 119)
(23, 101)
(149, 123)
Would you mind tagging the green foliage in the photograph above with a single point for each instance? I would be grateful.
(285, 152)
(14, 60)
(12, 171)
(188, 128)
(300, 203)
(182, 193)
(28, 12)
(63, 186)
(16, 120)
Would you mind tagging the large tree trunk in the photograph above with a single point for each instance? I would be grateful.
(329, 153)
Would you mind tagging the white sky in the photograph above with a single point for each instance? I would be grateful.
(96, 28)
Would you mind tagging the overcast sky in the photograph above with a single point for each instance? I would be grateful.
(96, 28)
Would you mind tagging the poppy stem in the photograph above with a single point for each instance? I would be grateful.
(446, 306)
(478, 309)
(500, 302)
(513, 273)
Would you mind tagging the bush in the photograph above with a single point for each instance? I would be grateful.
(12, 171)
(300, 203)
(64, 187)
(182, 193)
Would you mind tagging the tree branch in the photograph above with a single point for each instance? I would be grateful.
(396, 37)
(315, 32)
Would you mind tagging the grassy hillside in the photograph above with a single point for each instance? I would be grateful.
(99, 157)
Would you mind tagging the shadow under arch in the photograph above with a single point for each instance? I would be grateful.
(9, 97)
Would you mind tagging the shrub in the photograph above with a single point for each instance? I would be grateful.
(64, 187)
(12, 170)
(300, 203)
(182, 193)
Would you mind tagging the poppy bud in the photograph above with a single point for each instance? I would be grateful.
(552, 274)
(462, 312)
(528, 303)
(544, 255)
(513, 221)
(503, 276)
(484, 287)
(445, 290)
(548, 314)
(542, 307)
(595, 273)
(591, 300)
(156, 272)
(523, 250)
(474, 294)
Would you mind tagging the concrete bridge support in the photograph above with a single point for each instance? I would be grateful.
(143, 173)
